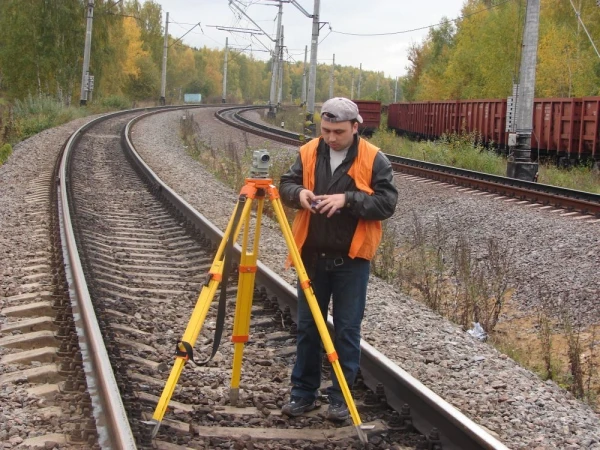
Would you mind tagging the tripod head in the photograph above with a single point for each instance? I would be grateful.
(260, 164)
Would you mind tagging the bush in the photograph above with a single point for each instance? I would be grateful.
(5, 152)
(36, 106)
(36, 114)
(115, 102)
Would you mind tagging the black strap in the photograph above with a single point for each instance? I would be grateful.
(187, 352)
(227, 257)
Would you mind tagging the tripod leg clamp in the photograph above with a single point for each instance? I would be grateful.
(187, 353)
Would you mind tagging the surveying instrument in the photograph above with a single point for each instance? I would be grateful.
(257, 187)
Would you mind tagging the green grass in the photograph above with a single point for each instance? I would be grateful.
(580, 178)
(27, 117)
(5, 152)
(35, 114)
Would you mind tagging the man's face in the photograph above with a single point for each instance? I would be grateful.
(338, 135)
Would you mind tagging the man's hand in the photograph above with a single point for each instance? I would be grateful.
(329, 204)
(306, 198)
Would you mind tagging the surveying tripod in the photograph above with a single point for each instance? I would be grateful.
(257, 188)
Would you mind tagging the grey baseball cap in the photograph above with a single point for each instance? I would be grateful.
(340, 109)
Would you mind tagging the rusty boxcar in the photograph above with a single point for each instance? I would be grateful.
(370, 111)
(562, 127)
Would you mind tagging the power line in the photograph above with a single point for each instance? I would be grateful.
(180, 38)
(421, 28)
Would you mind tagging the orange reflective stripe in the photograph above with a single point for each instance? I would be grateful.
(332, 356)
(239, 339)
(305, 284)
(247, 269)
(216, 276)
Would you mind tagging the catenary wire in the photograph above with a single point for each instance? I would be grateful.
(423, 28)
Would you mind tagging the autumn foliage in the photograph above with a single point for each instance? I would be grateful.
(41, 53)
(478, 56)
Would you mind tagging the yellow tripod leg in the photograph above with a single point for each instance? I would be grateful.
(243, 305)
(316, 312)
(198, 317)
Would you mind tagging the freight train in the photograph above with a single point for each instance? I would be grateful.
(562, 127)
(370, 111)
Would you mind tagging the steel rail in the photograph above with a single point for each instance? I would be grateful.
(429, 411)
(112, 424)
(276, 134)
(114, 431)
(585, 202)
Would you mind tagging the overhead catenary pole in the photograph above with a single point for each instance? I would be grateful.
(224, 96)
(331, 80)
(163, 77)
(396, 91)
(275, 66)
(359, 77)
(85, 77)
(312, 77)
(352, 87)
(519, 163)
(280, 71)
(304, 77)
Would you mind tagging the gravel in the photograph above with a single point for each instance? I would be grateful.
(24, 243)
(514, 404)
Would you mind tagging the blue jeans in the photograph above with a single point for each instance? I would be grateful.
(345, 280)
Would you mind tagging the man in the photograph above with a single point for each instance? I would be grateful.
(343, 188)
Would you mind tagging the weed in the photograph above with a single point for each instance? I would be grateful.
(5, 152)
(545, 337)
(115, 102)
(452, 279)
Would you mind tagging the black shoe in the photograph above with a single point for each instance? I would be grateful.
(338, 411)
(298, 406)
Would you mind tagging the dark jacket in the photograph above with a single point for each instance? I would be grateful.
(335, 234)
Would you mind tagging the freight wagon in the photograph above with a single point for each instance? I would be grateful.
(370, 111)
(562, 127)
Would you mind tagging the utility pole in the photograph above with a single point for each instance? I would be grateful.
(331, 78)
(304, 77)
(396, 91)
(280, 70)
(224, 96)
(359, 77)
(352, 87)
(163, 78)
(312, 77)
(519, 163)
(85, 77)
(275, 66)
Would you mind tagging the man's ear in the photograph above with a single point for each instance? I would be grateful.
(355, 128)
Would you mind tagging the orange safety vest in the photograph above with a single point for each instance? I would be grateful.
(368, 232)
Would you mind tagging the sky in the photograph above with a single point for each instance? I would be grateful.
(387, 54)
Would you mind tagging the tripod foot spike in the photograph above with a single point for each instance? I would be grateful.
(155, 429)
(361, 435)
(234, 396)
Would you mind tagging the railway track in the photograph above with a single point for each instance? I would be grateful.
(585, 203)
(136, 256)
